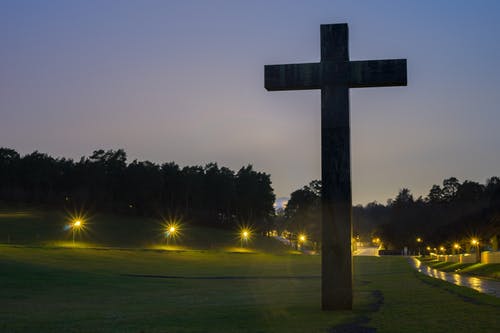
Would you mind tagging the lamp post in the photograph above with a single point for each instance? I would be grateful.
(419, 241)
(244, 236)
(475, 243)
(302, 239)
(171, 231)
(77, 224)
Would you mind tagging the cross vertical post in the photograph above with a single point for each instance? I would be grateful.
(336, 257)
(334, 75)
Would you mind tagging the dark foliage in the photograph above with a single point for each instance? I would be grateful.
(209, 195)
(455, 212)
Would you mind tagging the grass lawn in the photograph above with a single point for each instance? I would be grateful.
(45, 227)
(214, 286)
(491, 271)
(48, 289)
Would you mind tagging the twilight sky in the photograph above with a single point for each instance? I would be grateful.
(183, 81)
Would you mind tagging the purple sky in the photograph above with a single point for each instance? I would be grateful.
(183, 81)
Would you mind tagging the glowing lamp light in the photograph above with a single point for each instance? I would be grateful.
(419, 240)
(456, 246)
(172, 231)
(302, 238)
(245, 235)
(76, 226)
(475, 242)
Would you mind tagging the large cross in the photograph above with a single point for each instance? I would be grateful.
(334, 75)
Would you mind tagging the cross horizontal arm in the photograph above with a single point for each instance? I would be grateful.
(377, 73)
(292, 76)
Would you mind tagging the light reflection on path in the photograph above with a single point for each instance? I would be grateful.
(483, 286)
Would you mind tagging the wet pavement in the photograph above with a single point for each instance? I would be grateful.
(485, 286)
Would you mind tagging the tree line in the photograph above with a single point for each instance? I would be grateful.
(104, 182)
(451, 212)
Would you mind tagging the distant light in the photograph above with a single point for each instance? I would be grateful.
(172, 229)
(419, 240)
(442, 248)
(428, 248)
(76, 227)
(456, 246)
(475, 242)
(302, 238)
(245, 233)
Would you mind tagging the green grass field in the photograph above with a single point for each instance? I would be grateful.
(105, 284)
(86, 290)
(491, 271)
(49, 228)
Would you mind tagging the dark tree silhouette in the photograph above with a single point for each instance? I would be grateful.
(210, 195)
(452, 213)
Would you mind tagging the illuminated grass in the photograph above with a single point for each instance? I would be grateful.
(52, 286)
(417, 303)
(86, 290)
(488, 270)
(163, 247)
(105, 230)
(485, 270)
(91, 290)
(70, 244)
(16, 214)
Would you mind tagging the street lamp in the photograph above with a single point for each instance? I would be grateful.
(475, 243)
(419, 240)
(302, 238)
(77, 225)
(172, 230)
(244, 236)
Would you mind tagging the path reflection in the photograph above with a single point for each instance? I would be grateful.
(483, 286)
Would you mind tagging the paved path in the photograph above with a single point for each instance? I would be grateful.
(371, 251)
(283, 240)
(490, 287)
